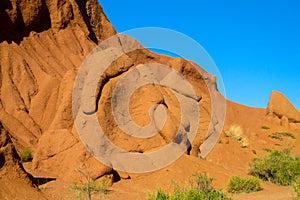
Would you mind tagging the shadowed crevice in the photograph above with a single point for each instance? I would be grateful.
(15, 30)
(83, 11)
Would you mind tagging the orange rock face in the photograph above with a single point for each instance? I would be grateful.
(42, 46)
(281, 109)
(15, 182)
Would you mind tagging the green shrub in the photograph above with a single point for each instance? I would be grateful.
(91, 188)
(280, 135)
(201, 182)
(194, 194)
(183, 194)
(296, 185)
(265, 127)
(278, 167)
(104, 185)
(239, 184)
(25, 154)
(217, 195)
(200, 187)
(159, 195)
(189, 194)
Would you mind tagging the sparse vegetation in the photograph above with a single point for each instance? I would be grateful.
(280, 135)
(25, 154)
(194, 194)
(237, 133)
(199, 187)
(296, 185)
(244, 142)
(238, 184)
(234, 131)
(278, 167)
(42, 187)
(265, 127)
(201, 182)
(267, 150)
(159, 195)
(90, 187)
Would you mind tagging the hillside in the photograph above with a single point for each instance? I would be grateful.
(43, 45)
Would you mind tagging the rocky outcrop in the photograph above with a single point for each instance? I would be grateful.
(15, 183)
(280, 108)
(40, 42)
(60, 149)
(20, 18)
(43, 44)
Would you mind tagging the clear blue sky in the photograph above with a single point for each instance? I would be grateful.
(254, 43)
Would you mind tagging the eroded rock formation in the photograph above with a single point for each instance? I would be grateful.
(43, 44)
(282, 111)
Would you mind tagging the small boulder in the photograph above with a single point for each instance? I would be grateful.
(279, 106)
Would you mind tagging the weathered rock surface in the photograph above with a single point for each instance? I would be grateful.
(280, 108)
(14, 181)
(43, 44)
(20, 18)
(59, 149)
